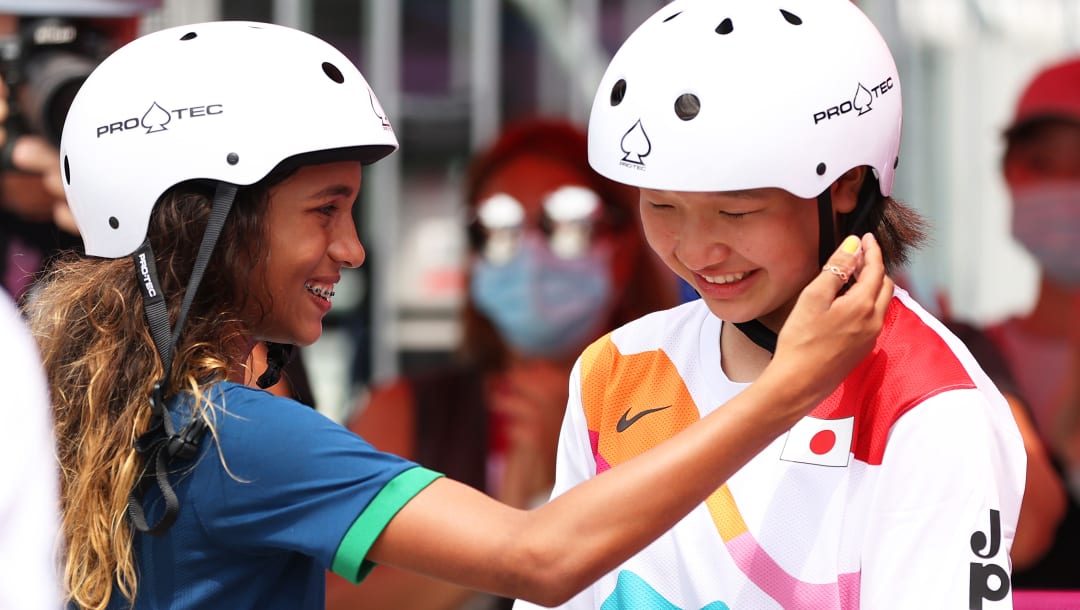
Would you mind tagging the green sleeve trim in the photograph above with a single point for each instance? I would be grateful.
(349, 561)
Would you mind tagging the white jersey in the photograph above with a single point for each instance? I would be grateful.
(29, 505)
(901, 490)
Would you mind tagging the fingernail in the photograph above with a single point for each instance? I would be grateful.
(851, 244)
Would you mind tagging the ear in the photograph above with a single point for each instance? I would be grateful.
(845, 191)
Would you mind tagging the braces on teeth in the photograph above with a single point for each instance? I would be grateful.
(325, 293)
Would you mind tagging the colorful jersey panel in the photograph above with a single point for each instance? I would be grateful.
(901, 490)
(281, 495)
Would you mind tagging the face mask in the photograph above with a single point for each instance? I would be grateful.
(1046, 220)
(544, 305)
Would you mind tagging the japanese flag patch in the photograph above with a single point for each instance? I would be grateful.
(824, 442)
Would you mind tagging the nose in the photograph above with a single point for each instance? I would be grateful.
(346, 249)
(700, 244)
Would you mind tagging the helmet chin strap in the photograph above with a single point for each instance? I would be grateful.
(277, 356)
(755, 330)
(161, 443)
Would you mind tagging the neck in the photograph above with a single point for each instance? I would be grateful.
(243, 372)
(743, 360)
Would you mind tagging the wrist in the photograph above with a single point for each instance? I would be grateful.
(790, 394)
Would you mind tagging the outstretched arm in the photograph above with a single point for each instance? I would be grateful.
(456, 533)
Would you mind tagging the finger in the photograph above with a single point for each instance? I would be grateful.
(884, 297)
(840, 267)
(871, 275)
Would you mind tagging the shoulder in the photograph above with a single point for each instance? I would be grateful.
(916, 358)
(646, 347)
(244, 417)
(647, 367)
(261, 436)
(654, 331)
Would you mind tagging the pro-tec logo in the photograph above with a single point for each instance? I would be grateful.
(157, 118)
(824, 442)
(144, 271)
(635, 146)
(863, 101)
(379, 112)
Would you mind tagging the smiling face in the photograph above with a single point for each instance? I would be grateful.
(311, 236)
(748, 253)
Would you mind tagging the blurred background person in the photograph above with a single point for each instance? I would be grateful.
(29, 482)
(46, 51)
(556, 260)
(1041, 167)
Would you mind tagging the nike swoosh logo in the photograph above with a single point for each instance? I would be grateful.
(626, 423)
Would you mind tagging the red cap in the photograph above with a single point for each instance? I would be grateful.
(1054, 93)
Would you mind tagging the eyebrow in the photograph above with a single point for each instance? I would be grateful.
(748, 194)
(337, 190)
(743, 194)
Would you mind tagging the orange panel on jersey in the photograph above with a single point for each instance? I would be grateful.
(645, 398)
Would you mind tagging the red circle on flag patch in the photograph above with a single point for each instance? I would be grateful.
(823, 442)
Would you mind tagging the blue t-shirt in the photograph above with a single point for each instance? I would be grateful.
(279, 496)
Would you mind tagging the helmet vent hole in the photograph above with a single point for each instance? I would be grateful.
(113, 222)
(232, 158)
(188, 36)
(332, 71)
(672, 16)
(618, 92)
(725, 27)
(687, 106)
(67, 170)
(821, 169)
(791, 18)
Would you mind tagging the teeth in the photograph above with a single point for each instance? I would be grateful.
(319, 291)
(725, 279)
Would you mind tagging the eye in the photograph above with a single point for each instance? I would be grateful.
(327, 210)
(734, 215)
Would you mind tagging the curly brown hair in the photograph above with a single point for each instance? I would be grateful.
(101, 363)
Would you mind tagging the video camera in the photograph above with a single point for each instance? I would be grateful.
(43, 64)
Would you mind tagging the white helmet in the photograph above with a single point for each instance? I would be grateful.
(790, 94)
(225, 101)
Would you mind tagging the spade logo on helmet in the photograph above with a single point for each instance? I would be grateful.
(862, 102)
(379, 112)
(157, 117)
(636, 146)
